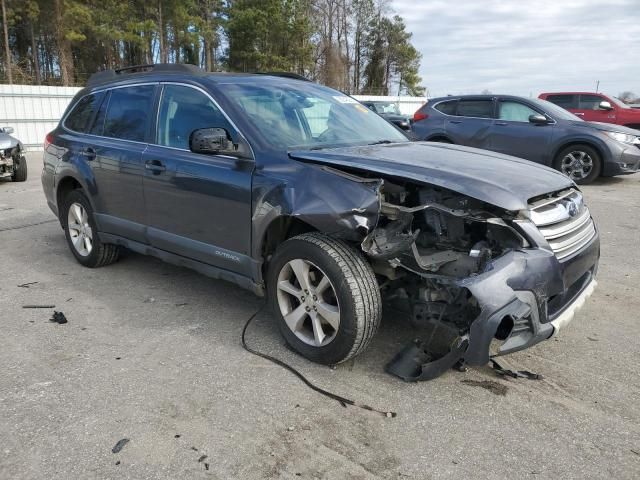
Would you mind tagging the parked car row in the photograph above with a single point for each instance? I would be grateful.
(536, 130)
(390, 112)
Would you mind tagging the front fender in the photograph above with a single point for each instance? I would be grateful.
(333, 202)
(599, 145)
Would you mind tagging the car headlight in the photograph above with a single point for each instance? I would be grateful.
(624, 137)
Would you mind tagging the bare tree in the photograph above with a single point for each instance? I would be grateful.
(7, 50)
(628, 97)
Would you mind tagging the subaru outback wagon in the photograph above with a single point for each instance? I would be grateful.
(300, 193)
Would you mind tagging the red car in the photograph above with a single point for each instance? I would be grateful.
(596, 107)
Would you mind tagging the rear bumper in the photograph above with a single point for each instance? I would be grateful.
(526, 297)
(48, 179)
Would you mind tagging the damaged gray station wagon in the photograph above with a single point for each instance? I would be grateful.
(300, 193)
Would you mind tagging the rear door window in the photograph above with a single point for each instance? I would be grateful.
(448, 107)
(128, 112)
(564, 101)
(79, 118)
(475, 108)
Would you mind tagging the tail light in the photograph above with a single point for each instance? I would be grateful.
(420, 116)
(48, 139)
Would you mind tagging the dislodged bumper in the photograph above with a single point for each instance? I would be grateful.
(565, 317)
(526, 297)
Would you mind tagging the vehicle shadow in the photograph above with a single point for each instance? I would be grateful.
(605, 181)
(146, 293)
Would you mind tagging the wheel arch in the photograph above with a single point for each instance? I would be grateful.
(600, 150)
(65, 185)
(277, 231)
(438, 137)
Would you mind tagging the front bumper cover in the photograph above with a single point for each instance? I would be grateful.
(525, 297)
(515, 295)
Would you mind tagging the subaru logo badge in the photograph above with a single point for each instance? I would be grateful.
(572, 205)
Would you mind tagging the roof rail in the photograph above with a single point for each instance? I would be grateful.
(294, 76)
(108, 75)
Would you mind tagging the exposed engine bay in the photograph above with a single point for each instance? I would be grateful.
(8, 158)
(426, 243)
(428, 238)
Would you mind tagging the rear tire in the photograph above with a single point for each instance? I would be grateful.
(581, 163)
(351, 296)
(81, 233)
(19, 170)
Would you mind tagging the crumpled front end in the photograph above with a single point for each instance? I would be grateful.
(8, 158)
(486, 282)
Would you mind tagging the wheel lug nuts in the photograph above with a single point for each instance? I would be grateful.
(302, 298)
(315, 298)
(315, 308)
(307, 309)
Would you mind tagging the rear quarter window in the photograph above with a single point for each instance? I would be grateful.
(448, 108)
(83, 113)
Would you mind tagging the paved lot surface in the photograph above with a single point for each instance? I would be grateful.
(152, 353)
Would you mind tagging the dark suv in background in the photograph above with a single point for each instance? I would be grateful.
(532, 129)
(390, 112)
(300, 193)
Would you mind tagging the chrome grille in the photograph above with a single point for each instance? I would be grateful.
(564, 221)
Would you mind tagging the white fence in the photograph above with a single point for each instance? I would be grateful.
(33, 111)
(407, 105)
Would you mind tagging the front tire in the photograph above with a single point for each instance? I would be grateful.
(81, 233)
(19, 170)
(325, 298)
(581, 163)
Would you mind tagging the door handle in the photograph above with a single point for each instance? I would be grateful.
(455, 121)
(502, 124)
(155, 166)
(88, 153)
(579, 114)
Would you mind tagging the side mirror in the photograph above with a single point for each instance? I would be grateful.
(538, 119)
(211, 141)
(604, 105)
(7, 130)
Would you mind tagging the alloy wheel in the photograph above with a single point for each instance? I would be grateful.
(80, 231)
(308, 302)
(577, 165)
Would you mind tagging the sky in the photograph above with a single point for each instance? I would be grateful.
(525, 47)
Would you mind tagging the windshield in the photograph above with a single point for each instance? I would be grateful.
(554, 110)
(387, 107)
(309, 115)
(619, 102)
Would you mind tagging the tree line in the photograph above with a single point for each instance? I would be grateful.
(357, 46)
